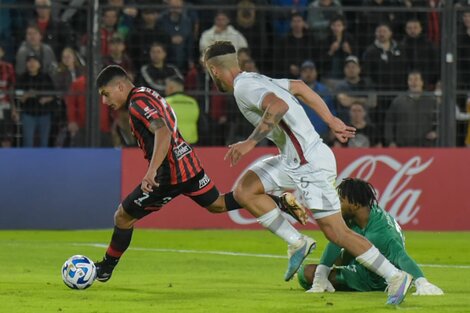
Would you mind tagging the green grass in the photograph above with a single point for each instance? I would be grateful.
(151, 280)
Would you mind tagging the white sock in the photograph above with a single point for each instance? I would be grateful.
(277, 224)
(322, 272)
(373, 260)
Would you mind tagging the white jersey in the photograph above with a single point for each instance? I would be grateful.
(295, 135)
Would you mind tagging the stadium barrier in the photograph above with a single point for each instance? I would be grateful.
(425, 189)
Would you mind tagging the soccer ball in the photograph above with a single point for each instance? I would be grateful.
(78, 272)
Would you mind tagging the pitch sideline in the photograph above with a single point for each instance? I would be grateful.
(254, 255)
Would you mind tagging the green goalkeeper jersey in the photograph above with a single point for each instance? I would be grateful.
(383, 231)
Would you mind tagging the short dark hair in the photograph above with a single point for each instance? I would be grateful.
(158, 44)
(176, 79)
(219, 48)
(109, 73)
(357, 191)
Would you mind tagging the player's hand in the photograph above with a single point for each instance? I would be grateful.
(238, 150)
(321, 285)
(149, 182)
(342, 132)
(425, 288)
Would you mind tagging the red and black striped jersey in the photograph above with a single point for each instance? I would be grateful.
(181, 162)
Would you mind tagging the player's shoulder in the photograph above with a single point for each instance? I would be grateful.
(144, 93)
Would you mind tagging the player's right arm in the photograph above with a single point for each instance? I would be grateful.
(274, 109)
(162, 138)
(299, 89)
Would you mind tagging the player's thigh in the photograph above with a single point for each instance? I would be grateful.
(272, 175)
(202, 190)
(357, 277)
(316, 183)
(139, 203)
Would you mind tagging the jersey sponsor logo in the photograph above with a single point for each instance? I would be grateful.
(181, 150)
(148, 112)
(204, 181)
(397, 198)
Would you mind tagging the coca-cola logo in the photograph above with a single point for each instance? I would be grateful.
(397, 197)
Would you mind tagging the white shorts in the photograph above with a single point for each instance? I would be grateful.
(313, 183)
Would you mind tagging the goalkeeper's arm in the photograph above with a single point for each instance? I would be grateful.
(406, 263)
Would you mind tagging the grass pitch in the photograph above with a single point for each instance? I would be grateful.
(207, 271)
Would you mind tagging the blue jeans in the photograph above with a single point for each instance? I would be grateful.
(33, 122)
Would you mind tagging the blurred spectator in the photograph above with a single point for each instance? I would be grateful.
(108, 29)
(245, 61)
(371, 18)
(153, 75)
(434, 21)
(178, 25)
(126, 16)
(384, 61)
(411, 119)
(419, 52)
(320, 14)
(69, 69)
(243, 54)
(118, 56)
(297, 46)
(367, 135)
(249, 66)
(338, 45)
(467, 138)
(146, 31)
(36, 106)
(309, 75)
(12, 21)
(34, 45)
(282, 14)
(76, 116)
(353, 89)
(221, 31)
(252, 24)
(185, 107)
(463, 53)
(54, 32)
(7, 113)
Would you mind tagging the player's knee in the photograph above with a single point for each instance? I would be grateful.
(122, 219)
(218, 206)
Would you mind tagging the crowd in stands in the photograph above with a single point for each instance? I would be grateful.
(378, 70)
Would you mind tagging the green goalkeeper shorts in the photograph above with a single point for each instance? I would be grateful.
(356, 277)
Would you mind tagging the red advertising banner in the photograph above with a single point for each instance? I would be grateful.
(424, 189)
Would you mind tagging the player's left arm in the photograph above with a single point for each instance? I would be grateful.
(405, 262)
(162, 138)
(299, 89)
(274, 109)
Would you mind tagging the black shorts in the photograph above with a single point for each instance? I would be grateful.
(200, 189)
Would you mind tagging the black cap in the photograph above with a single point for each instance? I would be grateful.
(33, 56)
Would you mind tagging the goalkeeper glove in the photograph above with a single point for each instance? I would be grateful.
(320, 280)
(425, 288)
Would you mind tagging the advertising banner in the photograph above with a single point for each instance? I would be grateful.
(424, 189)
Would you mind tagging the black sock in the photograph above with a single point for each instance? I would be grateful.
(230, 202)
(276, 199)
(120, 241)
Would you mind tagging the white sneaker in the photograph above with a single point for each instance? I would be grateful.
(398, 287)
(297, 254)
